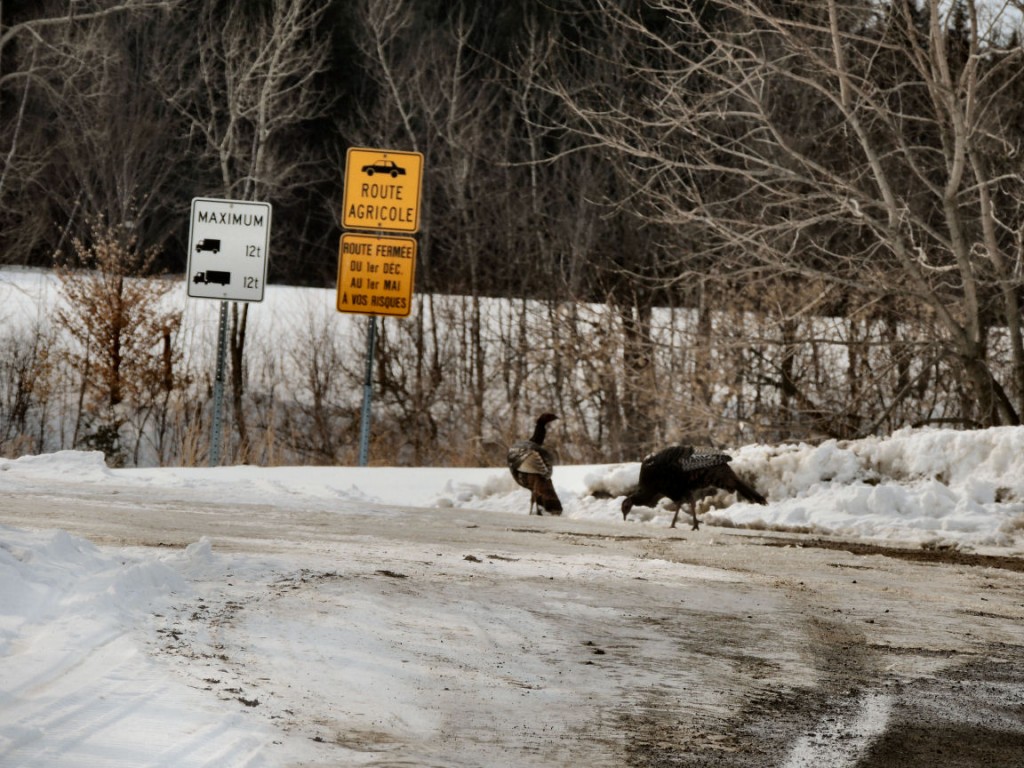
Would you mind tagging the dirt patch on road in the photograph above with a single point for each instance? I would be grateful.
(967, 717)
(921, 555)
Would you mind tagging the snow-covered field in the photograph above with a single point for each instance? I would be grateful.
(303, 632)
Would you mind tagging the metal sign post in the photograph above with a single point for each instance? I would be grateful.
(218, 384)
(228, 251)
(375, 273)
(364, 421)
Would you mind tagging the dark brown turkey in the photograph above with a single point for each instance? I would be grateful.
(685, 476)
(531, 465)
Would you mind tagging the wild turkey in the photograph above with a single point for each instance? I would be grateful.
(682, 475)
(531, 465)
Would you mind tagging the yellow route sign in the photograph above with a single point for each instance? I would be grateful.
(382, 190)
(375, 274)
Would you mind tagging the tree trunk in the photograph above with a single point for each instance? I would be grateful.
(640, 397)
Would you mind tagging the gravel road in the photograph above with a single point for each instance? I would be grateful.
(742, 650)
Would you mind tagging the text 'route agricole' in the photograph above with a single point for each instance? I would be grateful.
(376, 271)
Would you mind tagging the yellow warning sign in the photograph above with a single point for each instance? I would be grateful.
(382, 190)
(375, 274)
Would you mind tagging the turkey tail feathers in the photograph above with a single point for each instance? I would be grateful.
(749, 493)
(547, 499)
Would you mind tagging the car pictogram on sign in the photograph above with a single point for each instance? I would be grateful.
(389, 167)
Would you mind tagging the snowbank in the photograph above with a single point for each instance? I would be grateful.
(942, 486)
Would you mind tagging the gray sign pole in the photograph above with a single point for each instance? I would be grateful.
(229, 246)
(218, 384)
(364, 426)
(361, 209)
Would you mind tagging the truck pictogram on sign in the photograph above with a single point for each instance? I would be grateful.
(212, 276)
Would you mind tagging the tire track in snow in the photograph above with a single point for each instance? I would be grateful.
(840, 742)
(115, 709)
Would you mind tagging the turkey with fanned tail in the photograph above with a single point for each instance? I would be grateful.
(531, 465)
(683, 475)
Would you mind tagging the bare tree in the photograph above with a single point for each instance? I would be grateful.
(65, 65)
(846, 142)
(252, 79)
(434, 95)
(26, 382)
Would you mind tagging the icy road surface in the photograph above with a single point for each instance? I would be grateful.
(305, 635)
